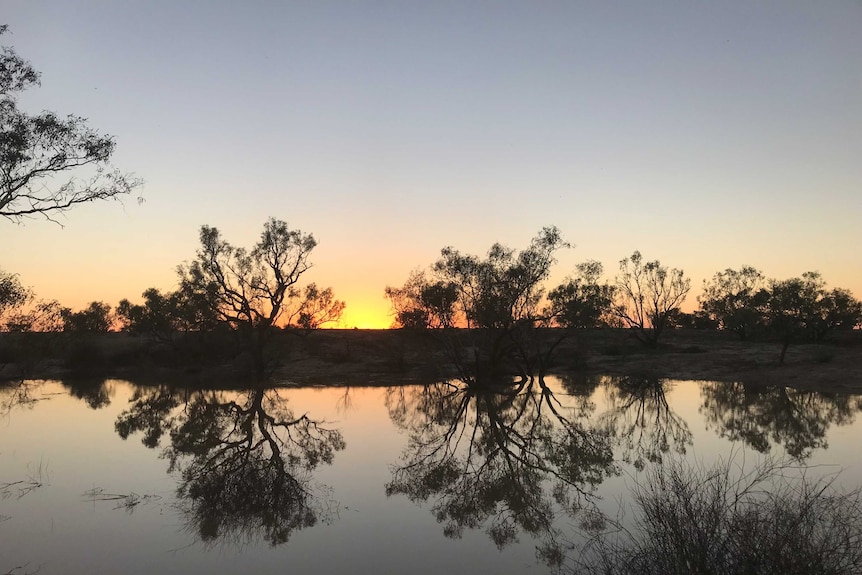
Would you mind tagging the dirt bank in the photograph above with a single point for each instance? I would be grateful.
(392, 357)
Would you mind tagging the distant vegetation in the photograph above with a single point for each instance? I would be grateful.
(495, 315)
(501, 300)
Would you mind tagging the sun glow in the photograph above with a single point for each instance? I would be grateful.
(365, 317)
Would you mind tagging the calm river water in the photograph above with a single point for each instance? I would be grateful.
(109, 477)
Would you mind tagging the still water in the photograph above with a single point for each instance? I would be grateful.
(110, 477)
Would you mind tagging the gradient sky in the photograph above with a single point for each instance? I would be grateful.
(706, 135)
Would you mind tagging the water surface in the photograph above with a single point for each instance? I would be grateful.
(109, 477)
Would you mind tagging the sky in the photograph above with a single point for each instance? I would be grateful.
(706, 135)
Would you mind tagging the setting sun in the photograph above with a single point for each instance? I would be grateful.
(365, 317)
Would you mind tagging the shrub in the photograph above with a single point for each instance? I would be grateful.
(724, 520)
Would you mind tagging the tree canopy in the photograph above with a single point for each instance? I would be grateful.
(256, 290)
(648, 294)
(35, 150)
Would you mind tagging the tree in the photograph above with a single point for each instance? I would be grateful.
(161, 315)
(12, 293)
(801, 309)
(317, 307)
(256, 291)
(42, 316)
(95, 318)
(838, 311)
(581, 302)
(505, 288)
(734, 299)
(422, 303)
(647, 295)
(35, 150)
(497, 298)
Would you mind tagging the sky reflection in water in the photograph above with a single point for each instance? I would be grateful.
(422, 478)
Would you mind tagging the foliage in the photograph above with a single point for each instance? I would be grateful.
(316, 308)
(43, 316)
(256, 291)
(801, 309)
(647, 295)
(698, 319)
(422, 303)
(506, 287)
(727, 519)
(581, 301)
(95, 318)
(734, 299)
(12, 293)
(35, 150)
(498, 297)
(161, 315)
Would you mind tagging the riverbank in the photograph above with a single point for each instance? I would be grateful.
(397, 357)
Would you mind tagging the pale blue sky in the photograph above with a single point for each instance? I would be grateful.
(707, 135)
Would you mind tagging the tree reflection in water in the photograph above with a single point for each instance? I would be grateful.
(760, 416)
(244, 460)
(17, 394)
(497, 456)
(95, 392)
(640, 417)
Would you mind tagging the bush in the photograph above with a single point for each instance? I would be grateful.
(723, 520)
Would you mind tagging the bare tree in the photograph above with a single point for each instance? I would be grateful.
(35, 150)
(648, 294)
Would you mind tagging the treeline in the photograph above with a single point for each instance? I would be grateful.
(504, 292)
(255, 293)
(251, 293)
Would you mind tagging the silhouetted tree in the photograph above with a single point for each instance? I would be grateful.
(244, 459)
(647, 294)
(497, 457)
(95, 318)
(801, 309)
(422, 303)
(255, 291)
(838, 311)
(581, 301)
(42, 316)
(735, 298)
(162, 315)
(497, 298)
(12, 293)
(36, 150)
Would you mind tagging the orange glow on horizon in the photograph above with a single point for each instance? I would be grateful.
(364, 318)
